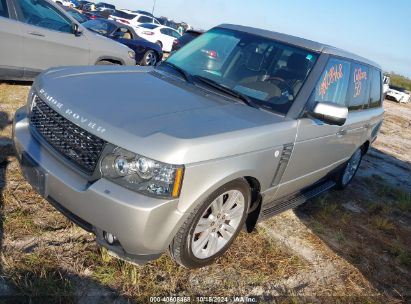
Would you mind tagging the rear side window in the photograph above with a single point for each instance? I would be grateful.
(174, 34)
(187, 37)
(375, 93)
(333, 84)
(3, 9)
(358, 90)
(145, 19)
(43, 14)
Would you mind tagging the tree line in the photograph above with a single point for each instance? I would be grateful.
(399, 80)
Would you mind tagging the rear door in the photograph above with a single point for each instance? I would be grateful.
(353, 133)
(375, 110)
(48, 38)
(319, 147)
(168, 36)
(11, 43)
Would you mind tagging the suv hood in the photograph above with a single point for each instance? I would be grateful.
(156, 114)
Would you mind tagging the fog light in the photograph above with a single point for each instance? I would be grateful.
(110, 238)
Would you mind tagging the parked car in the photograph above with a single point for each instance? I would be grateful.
(398, 94)
(184, 39)
(167, 22)
(46, 36)
(131, 19)
(101, 6)
(162, 35)
(147, 53)
(386, 84)
(82, 4)
(180, 157)
(66, 3)
(80, 18)
(93, 15)
(144, 13)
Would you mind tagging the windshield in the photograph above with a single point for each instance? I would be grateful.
(100, 26)
(271, 73)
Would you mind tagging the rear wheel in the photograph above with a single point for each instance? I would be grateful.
(149, 58)
(346, 175)
(159, 44)
(212, 227)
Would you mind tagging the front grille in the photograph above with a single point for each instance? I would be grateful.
(77, 145)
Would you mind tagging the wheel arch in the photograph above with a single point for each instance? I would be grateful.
(110, 59)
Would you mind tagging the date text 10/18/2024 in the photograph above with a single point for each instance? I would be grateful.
(204, 299)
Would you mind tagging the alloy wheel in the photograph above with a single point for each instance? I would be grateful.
(218, 224)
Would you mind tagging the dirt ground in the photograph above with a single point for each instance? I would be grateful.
(350, 246)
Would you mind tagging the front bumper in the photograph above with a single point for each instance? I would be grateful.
(143, 226)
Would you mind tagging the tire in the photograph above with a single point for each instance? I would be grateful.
(185, 251)
(160, 44)
(149, 58)
(349, 170)
(106, 62)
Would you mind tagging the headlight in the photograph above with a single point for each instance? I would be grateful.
(142, 174)
(131, 54)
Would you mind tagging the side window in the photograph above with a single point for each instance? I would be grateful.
(358, 90)
(333, 83)
(3, 9)
(375, 94)
(164, 31)
(43, 14)
(156, 22)
(175, 34)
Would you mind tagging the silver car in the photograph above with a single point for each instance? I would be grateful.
(237, 126)
(37, 35)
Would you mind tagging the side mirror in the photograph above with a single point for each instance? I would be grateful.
(76, 30)
(330, 113)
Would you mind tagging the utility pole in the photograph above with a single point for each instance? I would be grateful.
(154, 4)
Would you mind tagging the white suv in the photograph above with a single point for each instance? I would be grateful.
(132, 19)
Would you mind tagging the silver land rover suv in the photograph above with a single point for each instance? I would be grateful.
(235, 127)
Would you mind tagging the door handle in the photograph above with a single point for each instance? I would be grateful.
(342, 132)
(37, 34)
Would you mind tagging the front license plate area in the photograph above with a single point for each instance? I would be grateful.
(34, 174)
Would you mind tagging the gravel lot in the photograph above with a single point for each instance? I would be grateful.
(350, 246)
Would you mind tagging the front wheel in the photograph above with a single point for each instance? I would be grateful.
(212, 227)
(346, 175)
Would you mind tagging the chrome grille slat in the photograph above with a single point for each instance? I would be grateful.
(80, 147)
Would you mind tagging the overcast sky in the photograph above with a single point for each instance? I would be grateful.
(377, 29)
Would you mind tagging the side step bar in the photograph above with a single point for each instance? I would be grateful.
(279, 206)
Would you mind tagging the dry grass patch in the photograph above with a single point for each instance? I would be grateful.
(374, 237)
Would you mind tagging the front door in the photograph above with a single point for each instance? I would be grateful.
(11, 44)
(319, 147)
(48, 38)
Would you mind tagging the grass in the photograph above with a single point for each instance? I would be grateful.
(364, 238)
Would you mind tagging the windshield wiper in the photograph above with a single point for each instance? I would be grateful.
(187, 76)
(244, 98)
